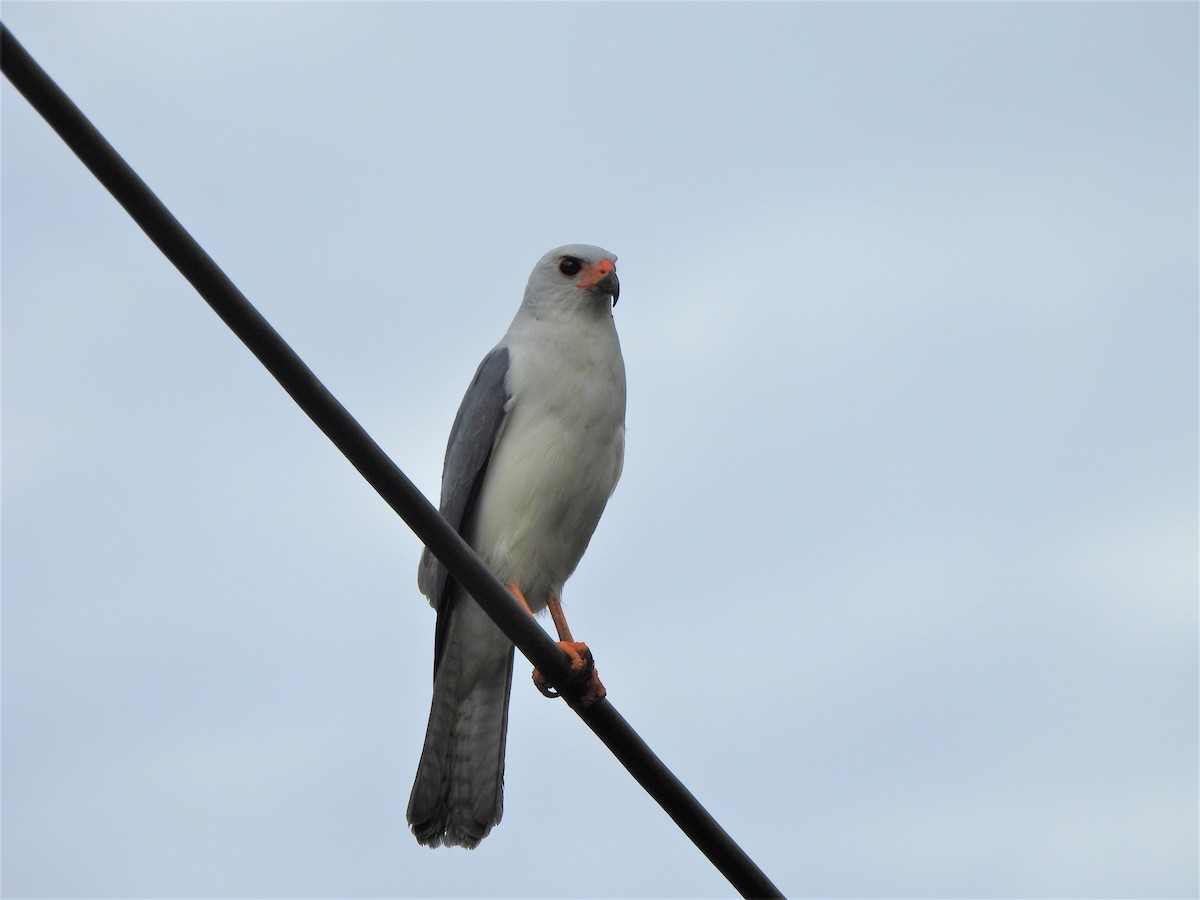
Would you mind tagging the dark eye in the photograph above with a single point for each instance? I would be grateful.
(569, 266)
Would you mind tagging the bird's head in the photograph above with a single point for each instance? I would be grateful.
(575, 275)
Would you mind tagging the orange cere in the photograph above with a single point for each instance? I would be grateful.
(592, 274)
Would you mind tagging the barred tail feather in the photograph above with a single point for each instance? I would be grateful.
(458, 794)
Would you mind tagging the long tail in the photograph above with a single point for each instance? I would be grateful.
(458, 794)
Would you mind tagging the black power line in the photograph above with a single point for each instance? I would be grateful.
(372, 463)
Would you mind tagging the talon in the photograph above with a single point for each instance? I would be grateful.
(583, 666)
(582, 662)
(594, 692)
(583, 670)
(540, 682)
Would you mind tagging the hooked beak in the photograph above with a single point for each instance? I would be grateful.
(602, 278)
(610, 285)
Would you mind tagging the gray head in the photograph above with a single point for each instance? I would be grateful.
(574, 275)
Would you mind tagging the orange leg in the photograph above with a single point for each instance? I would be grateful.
(516, 592)
(560, 621)
(578, 654)
(581, 656)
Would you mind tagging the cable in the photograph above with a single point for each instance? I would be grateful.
(369, 459)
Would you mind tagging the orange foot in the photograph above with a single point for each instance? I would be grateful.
(583, 668)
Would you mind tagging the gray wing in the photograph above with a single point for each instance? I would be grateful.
(467, 453)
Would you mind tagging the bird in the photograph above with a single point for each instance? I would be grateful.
(533, 456)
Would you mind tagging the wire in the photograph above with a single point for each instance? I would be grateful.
(372, 463)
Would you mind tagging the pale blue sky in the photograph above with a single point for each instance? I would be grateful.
(901, 578)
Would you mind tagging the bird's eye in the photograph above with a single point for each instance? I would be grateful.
(569, 266)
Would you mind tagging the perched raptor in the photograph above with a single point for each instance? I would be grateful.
(533, 456)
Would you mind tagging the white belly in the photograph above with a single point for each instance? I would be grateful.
(555, 464)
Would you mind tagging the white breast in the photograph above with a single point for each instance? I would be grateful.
(558, 456)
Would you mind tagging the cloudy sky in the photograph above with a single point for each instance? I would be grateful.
(901, 579)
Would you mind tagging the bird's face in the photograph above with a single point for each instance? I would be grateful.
(573, 275)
